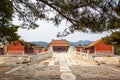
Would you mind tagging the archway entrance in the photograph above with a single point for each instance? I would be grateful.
(60, 48)
(59, 45)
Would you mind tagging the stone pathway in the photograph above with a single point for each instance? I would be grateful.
(72, 68)
(64, 61)
(66, 73)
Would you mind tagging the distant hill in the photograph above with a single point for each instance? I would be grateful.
(42, 43)
(82, 42)
(85, 42)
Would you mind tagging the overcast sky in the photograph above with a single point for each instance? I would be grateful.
(48, 31)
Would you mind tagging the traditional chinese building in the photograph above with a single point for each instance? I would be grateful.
(37, 48)
(79, 48)
(59, 45)
(28, 50)
(15, 48)
(99, 48)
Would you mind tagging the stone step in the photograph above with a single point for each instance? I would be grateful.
(68, 76)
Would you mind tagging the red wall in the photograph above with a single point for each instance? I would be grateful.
(15, 48)
(12, 47)
(101, 46)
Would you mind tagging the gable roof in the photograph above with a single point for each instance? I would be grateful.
(59, 43)
(17, 42)
(93, 43)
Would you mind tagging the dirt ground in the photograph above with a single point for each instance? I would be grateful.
(95, 73)
(60, 67)
(33, 72)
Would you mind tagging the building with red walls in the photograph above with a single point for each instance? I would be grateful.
(99, 48)
(59, 45)
(15, 48)
(79, 48)
(38, 49)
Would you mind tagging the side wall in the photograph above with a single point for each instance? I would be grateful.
(15, 49)
(102, 49)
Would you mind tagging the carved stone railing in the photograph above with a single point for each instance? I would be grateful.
(86, 57)
(99, 60)
(41, 56)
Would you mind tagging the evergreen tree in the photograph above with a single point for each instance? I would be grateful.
(7, 29)
(114, 39)
(94, 16)
(83, 15)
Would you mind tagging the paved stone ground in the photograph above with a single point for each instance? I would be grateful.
(61, 66)
(95, 73)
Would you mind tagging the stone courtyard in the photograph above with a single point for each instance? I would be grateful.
(61, 66)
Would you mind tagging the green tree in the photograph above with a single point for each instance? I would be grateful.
(7, 29)
(27, 44)
(83, 15)
(114, 39)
